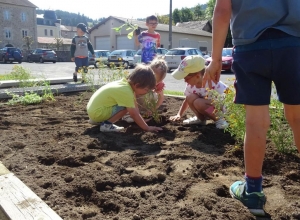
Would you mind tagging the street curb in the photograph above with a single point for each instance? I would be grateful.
(52, 81)
(55, 89)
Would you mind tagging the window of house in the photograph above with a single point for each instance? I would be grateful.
(23, 16)
(24, 33)
(51, 32)
(46, 33)
(7, 34)
(6, 15)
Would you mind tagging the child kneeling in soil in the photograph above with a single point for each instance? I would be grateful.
(113, 100)
(152, 101)
(192, 69)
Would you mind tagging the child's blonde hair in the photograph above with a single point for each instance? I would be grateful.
(160, 68)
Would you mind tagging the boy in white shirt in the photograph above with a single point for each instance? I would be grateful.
(192, 69)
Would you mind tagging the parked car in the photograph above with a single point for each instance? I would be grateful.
(11, 54)
(101, 57)
(42, 55)
(121, 57)
(174, 56)
(226, 59)
(137, 56)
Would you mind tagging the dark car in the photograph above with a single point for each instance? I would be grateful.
(11, 54)
(226, 59)
(42, 55)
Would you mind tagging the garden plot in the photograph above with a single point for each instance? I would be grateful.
(183, 172)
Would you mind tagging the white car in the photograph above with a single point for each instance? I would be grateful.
(137, 56)
(121, 58)
(101, 57)
(176, 55)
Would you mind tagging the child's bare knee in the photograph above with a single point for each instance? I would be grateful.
(191, 98)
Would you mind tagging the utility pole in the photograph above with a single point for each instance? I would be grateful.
(170, 26)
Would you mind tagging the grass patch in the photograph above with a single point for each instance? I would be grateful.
(17, 73)
(177, 93)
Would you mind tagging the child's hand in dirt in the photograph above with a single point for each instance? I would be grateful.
(154, 129)
(175, 118)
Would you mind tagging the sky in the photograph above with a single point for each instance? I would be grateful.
(127, 9)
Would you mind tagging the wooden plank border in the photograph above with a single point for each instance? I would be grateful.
(18, 202)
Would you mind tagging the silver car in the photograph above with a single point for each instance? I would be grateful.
(137, 56)
(101, 57)
(121, 58)
(176, 55)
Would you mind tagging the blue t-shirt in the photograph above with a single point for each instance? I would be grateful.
(250, 18)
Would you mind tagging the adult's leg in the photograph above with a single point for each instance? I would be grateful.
(292, 114)
(257, 125)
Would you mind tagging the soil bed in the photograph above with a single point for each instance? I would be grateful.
(183, 172)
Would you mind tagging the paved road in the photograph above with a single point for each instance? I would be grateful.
(65, 69)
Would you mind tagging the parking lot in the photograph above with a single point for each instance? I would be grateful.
(65, 69)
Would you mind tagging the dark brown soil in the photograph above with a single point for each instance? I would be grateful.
(183, 172)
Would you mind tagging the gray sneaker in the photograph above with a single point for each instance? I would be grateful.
(109, 127)
(194, 121)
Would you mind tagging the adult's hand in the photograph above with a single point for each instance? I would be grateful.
(212, 73)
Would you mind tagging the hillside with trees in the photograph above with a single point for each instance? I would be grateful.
(72, 19)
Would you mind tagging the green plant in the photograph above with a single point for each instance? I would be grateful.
(28, 99)
(96, 78)
(149, 103)
(279, 133)
(17, 73)
(129, 26)
(28, 42)
(58, 43)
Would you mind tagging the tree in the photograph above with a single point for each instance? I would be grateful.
(28, 41)
(209, 11)
(209, 15)
(186, 15)
(176, 16)
(198, 12)
(163, 19)
(58, 43)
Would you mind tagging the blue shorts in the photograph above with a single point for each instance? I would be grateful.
(81, 62)
(116, 109)
(274, 57)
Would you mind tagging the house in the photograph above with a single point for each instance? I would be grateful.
(48, 25)
(199, 25)
(68, 31)
(18, 20)
(50, 31)
(57, 44)
(104, 37)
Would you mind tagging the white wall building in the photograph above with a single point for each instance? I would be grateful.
(104, 37)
